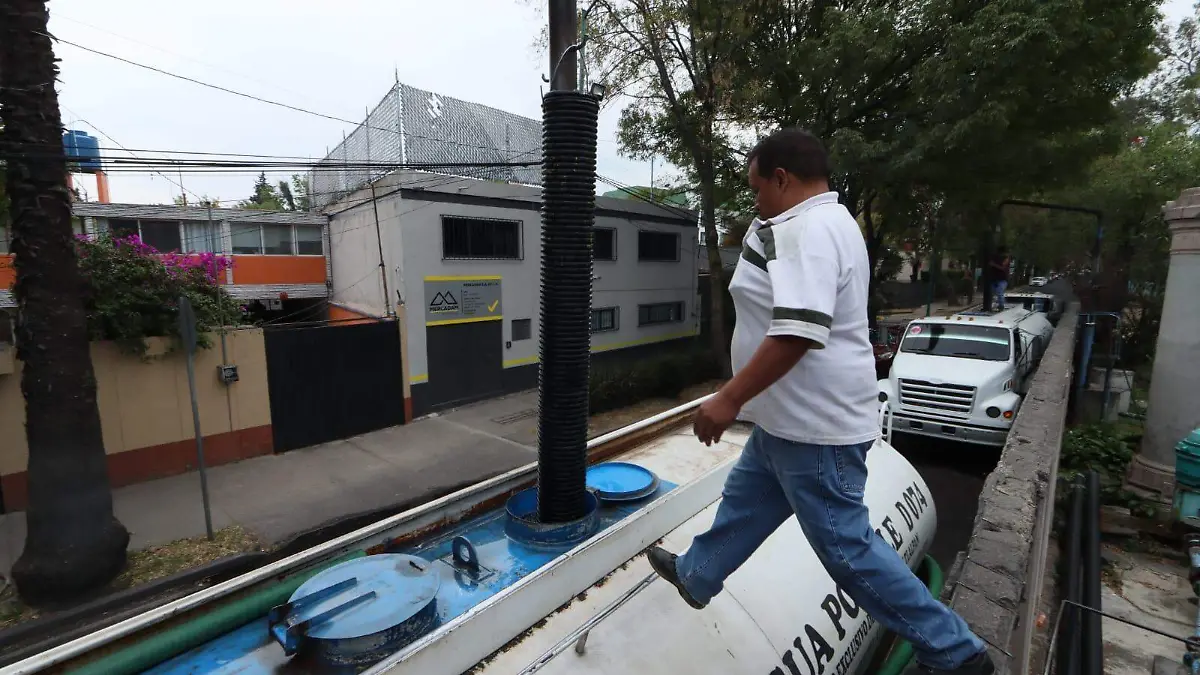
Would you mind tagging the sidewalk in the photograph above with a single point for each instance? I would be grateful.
(279, 496)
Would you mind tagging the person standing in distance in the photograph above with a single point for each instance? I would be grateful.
(805, 377)
(1000, 263)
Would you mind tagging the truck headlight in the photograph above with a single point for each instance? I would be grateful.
(883, 397)
(993, 411)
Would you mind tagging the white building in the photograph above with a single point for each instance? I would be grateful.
(463, 257)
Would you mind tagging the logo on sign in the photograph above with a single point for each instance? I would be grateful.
(443, 302)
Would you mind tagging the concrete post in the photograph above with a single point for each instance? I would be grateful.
(1174, 406)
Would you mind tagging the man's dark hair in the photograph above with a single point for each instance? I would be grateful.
(794, 150)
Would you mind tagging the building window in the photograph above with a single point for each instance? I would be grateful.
(120, 229)
(478, 238)
(605, 319)
(604, 243)
(309, 240)
(5, 247)
(658, 246)
(201, 237)
(663, 312)
(277, 239)
(246, 239)
(522, 329)
(161, 235)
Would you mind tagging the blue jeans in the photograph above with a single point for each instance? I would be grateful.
(823, 486)
(998, 289)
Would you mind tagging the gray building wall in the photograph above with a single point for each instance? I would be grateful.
(410, 210)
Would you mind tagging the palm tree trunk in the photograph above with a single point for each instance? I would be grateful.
(73, 544)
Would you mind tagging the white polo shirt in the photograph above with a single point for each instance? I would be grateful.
(806, 273)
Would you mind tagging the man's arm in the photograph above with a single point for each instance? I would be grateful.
(777, 355)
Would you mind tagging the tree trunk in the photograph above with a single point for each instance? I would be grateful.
(716, 271)
(874, 243)
(74, 543)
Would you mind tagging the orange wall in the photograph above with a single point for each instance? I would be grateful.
(247, 269)
(278, 269)
(343, 315)
(8, 274)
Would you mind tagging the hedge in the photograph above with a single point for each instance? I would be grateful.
(623, 384)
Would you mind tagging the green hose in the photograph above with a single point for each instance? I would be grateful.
(157, 648)
(902, 653)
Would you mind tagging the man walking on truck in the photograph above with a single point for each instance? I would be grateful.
(1000, 264)
(805, 377)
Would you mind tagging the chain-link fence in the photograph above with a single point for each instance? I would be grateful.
(414, 126)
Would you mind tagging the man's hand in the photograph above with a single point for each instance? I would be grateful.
(715, 416)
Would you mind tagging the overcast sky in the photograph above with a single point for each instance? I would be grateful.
(334, 58)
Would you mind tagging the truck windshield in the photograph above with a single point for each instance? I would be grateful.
(987, 343)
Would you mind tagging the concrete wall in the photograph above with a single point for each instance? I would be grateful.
(145, 411)
(997, 582)
(410, 208)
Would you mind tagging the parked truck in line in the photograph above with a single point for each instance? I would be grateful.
(1036, 301)
(962, 377)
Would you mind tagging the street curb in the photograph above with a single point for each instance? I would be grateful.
(52, 630)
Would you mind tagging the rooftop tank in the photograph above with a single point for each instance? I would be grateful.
(82, 149)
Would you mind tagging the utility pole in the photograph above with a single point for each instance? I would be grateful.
(387, 299)
(564, 52)
(569, 124)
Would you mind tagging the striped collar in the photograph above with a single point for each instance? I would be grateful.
(830, 197)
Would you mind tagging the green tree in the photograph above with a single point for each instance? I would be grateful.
(265, 197)
(1173, 93)
(942, 96)
(73, 543)
(670, 57)
(295, 196)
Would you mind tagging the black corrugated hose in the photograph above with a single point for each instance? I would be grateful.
(569, 122)
(1071, 580)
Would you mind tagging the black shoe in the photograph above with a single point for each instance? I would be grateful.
(981, 664)
(663, 563)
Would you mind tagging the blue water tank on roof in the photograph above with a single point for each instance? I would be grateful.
(82, 149)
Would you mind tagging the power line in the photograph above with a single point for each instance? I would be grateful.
(260, 99)
(669, 208)
(115, 142)
(59, 15)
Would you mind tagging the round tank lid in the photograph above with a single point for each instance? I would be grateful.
(621, 481)
(403, 585)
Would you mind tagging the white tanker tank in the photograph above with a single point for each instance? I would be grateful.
(780, 614)
(459, 585)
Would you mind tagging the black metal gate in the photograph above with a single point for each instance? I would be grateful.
(333, 382)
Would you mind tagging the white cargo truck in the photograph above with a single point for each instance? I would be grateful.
(962, 377)
(1036, 301)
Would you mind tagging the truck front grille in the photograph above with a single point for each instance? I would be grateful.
(945, 398)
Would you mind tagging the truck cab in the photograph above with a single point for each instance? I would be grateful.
(1036, 301)
(962, 377)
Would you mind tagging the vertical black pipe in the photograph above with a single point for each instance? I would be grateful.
(1093, 640)
(564, 61)
(569, 122)
(1067, 660)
